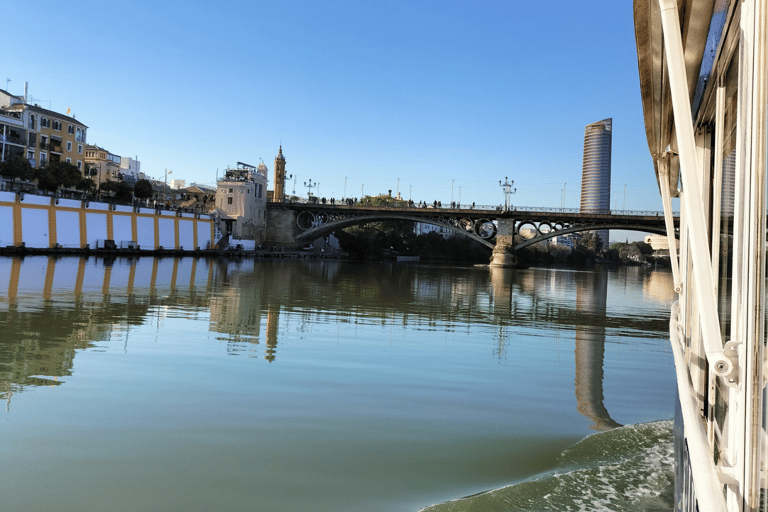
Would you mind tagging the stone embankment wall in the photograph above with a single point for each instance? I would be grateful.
(45, 222)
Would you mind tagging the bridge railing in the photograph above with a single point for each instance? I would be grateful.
(474, 207)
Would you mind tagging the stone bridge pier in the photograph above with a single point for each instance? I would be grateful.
(504, 252)
(281, 229)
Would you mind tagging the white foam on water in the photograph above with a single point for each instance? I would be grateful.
(625, 469)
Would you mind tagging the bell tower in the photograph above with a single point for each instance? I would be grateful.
(279, 194)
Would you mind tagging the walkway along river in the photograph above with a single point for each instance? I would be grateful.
(320, 385)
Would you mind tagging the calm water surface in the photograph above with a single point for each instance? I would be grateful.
(193, 384)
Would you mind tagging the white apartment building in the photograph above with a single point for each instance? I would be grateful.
(241, 201)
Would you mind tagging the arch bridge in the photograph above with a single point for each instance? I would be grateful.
(293, 224)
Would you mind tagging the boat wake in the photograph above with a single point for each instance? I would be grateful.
(625, 469)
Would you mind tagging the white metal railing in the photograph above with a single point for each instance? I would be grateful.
(706, 477)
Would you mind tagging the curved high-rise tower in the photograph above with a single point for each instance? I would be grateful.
(596, 171)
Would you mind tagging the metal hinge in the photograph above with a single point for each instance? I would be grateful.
(728, 368)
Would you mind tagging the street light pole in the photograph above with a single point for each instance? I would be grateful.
(564, 185)
(310, 186)
(507, 188)
(624, 206)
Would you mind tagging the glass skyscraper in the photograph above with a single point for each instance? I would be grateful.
(596, 171)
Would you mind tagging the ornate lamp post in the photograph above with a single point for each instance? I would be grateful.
(310, 186)
(507, 188)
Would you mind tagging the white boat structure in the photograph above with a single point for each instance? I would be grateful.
(704, 81)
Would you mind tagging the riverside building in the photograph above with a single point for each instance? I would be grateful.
(39, 135)
(241, 202)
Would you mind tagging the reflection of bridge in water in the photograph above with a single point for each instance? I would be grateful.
(66, 304)
(298, 223)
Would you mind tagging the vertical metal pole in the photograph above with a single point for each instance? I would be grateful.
(699, 241)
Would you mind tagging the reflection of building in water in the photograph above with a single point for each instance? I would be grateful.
(236, 308)
(56, 306)
(659, 285)
(591, 295)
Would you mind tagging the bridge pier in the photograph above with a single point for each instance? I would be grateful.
(504, 252)
(281, 229)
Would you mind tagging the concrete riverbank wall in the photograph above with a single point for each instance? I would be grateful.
(46, 222)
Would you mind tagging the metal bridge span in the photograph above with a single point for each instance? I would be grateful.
(300, 223)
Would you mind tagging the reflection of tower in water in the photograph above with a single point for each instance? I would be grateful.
(273, 317)
(591, 295)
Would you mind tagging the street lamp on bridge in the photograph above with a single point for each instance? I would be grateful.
(507, 187)
(310, 186)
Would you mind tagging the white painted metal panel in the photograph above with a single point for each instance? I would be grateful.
(203, 234)
(34, 227)
(121, 229)
(68, 229)
(186, 234)
(8, 197)
(98, 206)
(96, 227)
(167, 233)
(145, 232)
(31, 199)
(6, 226)
(123, 208)
(69, 203)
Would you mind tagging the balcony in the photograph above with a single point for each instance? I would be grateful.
(13, 139)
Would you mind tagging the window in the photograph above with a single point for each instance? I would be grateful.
(69, 160)
(79, 165)
(44, 122)
(69, 146)
(32, 122)
(43, 142)
(229, 200)
(43, 159)
(231, 190)
(80, 135)
(80, 148)
(32, 139)
(70, 129)
(57, 126)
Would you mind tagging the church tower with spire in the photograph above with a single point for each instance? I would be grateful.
(278, 195)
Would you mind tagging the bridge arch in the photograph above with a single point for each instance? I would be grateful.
(589, 227)
(460, 226)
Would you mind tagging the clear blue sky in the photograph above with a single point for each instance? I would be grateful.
(427, 92)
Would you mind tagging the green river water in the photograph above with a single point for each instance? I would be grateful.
(319, 385)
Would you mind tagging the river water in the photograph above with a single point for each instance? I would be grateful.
(318, 385)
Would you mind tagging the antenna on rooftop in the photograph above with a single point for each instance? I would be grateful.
(6, 83)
